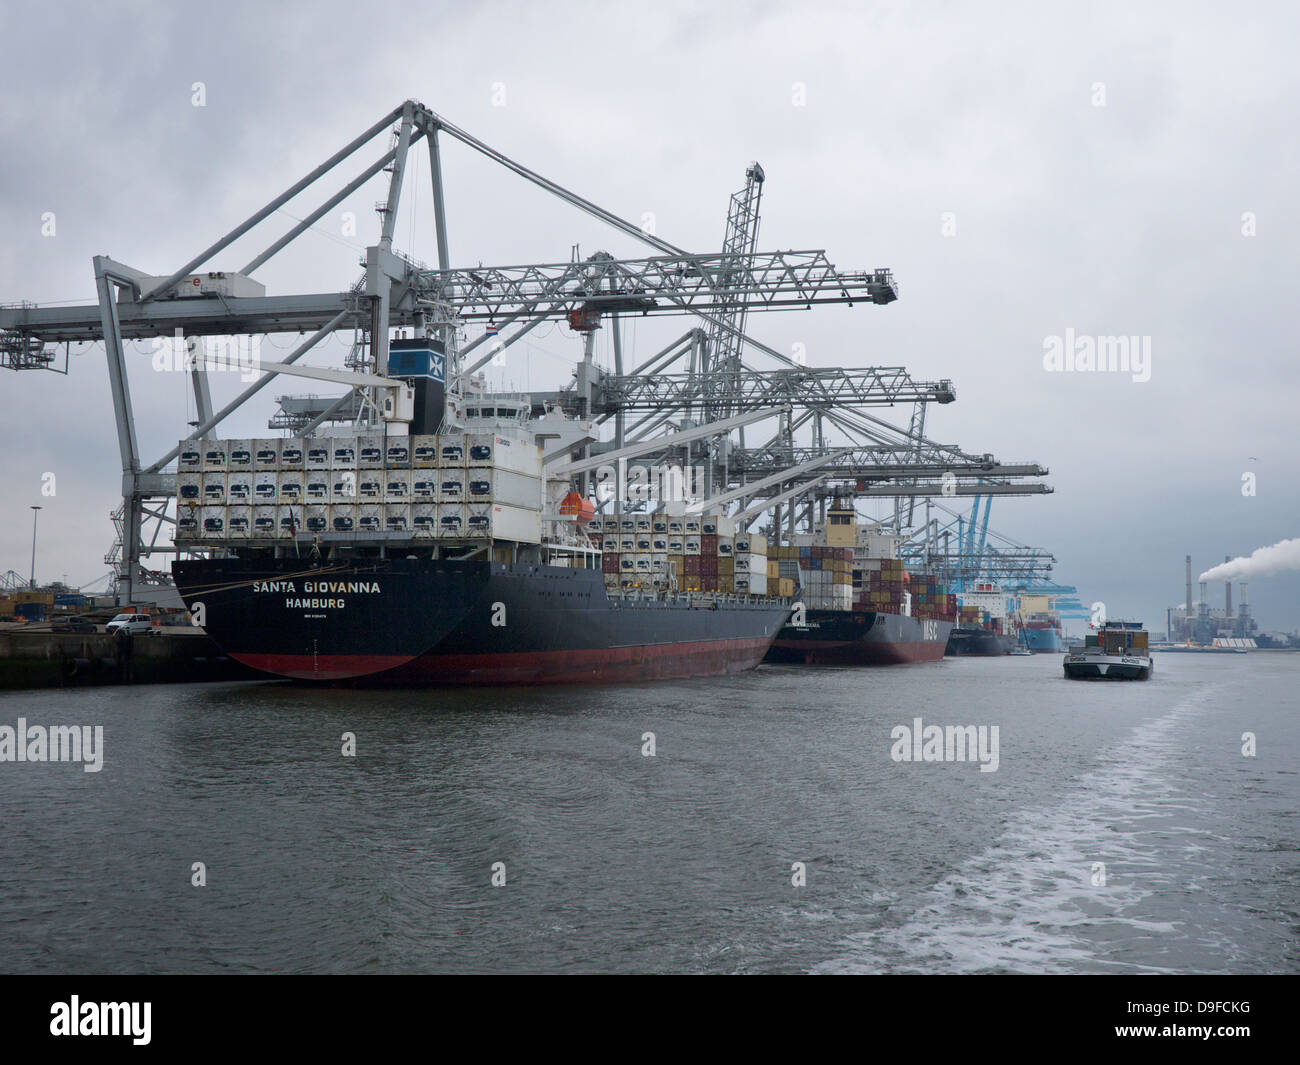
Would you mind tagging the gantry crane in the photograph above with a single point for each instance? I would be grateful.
(396, 292)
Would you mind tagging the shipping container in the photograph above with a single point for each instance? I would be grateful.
(424, 519)
(370, 486)
(214, 456)
(642, 523)
(451, 520)
(397, 455)
(213, 525)
(609, 544)
(187, 523)
(265, 488)
(627, 542)
(343, 453)
(397, 517)
(263, 522)
(424, 451)
(266, 454)
(659, 523)
(725, 546)
(504, 453)
(370, 517)
(504, 487)
(317, 455)
(239, 489)
(343, 517)
(316, 486)
(190, 459)
(370, 451)
(291, 487)
(452, 486)
(691, 526)
(451, 450)
(239, 455)
(214, 489)
(239, 522)
(189, 487)
(643, 542)
(504, 523)
(693, 545)
(424, 485)
(480, 449)
(314, 518)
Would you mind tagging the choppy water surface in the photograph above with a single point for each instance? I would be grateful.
(615, 861)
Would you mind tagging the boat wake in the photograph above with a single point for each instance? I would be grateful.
(1034, 901)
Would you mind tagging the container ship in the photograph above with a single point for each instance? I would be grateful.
(859, 605)
(983, 627)
(448, 557)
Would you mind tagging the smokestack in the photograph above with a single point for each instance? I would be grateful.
(1204, 607)
(1189, 586)
(1227, 593)
(1245, 606)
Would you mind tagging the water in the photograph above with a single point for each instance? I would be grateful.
(679, 862)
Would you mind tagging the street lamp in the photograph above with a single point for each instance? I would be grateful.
(34, 516)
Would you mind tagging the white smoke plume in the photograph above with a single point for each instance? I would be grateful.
(1260, 563)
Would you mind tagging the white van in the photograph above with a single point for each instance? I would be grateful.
(137, 624)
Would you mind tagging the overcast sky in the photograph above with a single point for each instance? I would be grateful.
(1102, 164)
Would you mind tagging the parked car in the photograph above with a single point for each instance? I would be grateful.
(74, 624)
(136, 624)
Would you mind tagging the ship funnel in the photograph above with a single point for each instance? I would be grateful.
(422, 361)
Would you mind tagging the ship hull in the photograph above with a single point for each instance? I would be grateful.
(449, 622)
(1106, 667)
(860, 638)
(1042, 641)
(981, 642)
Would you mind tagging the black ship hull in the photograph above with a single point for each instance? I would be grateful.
(436, 622)
(1106, 667)
(972, 641)
(860, 638)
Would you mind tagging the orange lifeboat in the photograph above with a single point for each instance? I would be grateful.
(584, 509)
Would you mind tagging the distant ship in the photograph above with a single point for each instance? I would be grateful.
(982, 627)
(1041, 633)
(1119, 650)
(859, 606)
